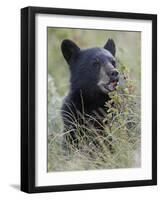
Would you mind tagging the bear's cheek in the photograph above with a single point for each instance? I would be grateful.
(103, 77)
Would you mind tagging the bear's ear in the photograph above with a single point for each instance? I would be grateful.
(110, 46)
(69, 48)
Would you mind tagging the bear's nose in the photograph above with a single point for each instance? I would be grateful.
(114, 74)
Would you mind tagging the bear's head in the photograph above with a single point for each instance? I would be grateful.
(92, 69)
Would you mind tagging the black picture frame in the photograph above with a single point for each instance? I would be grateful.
(28, 98)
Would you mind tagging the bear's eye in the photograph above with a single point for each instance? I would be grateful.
(113, 62)
(96, 62)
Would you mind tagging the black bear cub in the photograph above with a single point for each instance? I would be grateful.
(93, 75)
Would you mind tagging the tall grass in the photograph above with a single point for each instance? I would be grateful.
(118, 147)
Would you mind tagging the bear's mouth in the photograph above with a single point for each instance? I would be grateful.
(111, 86)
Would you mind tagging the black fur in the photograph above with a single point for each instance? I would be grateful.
(85, 97)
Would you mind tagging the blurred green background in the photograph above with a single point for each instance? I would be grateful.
(127, 44)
